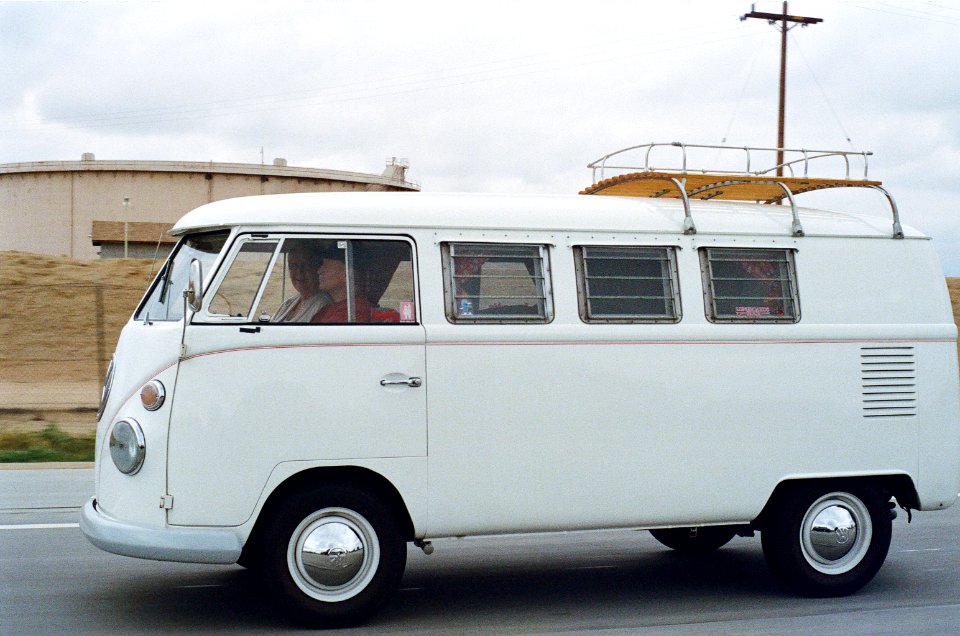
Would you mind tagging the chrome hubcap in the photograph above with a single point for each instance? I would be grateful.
(836, 533)
(333, 554)
(833, 533)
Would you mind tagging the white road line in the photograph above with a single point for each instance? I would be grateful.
(40, 526)
(14, 511)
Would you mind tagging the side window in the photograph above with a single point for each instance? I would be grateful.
(396, 302)
(749, 285)
(339, 281)
(492, 282)
(297, 280)
(627, 284)
(292, 293)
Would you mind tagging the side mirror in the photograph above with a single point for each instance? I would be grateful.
(194, 290)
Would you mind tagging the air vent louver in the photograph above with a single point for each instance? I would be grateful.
(889, 380)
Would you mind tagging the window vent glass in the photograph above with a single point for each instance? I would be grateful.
(628, 284)
(236, 294)
(749, 285)
(488, 282)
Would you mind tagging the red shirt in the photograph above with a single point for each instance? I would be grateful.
(337, 312)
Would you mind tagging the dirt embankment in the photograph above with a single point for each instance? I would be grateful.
(59, 322)
(953, 284)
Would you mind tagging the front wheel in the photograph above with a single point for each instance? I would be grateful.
(333, 556)
(826, 541)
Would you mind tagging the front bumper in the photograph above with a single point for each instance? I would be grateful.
(186, 545)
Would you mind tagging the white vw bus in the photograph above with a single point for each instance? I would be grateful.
(315, 380)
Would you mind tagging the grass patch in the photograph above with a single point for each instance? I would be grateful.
(47, 445)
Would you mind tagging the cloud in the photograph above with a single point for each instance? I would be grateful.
(500, 95)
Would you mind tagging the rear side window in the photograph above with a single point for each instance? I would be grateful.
(491, 282)
(627, 284)
(749, 285)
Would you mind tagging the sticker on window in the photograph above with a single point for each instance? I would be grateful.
(753, 312)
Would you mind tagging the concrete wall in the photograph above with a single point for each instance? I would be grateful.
(49, 207)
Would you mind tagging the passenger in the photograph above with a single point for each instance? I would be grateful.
(763, 284)
(304, 261)
(333, 281)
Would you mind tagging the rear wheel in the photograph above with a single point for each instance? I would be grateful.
(333, 556)
(827, 541)
(696, 540)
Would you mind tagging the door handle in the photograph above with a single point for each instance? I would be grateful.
(411, 382)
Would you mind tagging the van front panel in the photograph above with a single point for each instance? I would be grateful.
(144, 352)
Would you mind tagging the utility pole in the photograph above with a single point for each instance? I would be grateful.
(783, 19)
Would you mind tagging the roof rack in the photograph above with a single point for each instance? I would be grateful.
(745, 184)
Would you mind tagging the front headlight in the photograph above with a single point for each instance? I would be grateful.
(107, 383)
(128, 447)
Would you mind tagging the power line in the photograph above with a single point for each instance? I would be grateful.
(907, 12)
(380, 87)
(826, 99)
(743, 90)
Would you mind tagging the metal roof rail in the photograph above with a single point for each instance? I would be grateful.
(806, 156)
(743, 184)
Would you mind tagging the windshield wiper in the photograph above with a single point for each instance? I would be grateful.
(164, 282)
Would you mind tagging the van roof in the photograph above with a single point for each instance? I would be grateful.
(536, 213)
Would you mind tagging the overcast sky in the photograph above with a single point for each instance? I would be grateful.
(491, 96)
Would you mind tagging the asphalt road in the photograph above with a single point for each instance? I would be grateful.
(621, 582)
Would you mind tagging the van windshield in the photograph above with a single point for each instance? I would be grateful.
(165, 299)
